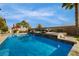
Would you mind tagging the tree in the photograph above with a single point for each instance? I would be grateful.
(70, 6)
(39, 27)
(24, 24)
(3, 25)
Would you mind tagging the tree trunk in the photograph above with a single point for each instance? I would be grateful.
(76, 18)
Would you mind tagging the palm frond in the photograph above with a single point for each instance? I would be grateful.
(64, 4)
(68, 5)
(71, 6)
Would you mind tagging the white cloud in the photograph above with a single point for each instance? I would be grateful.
(41, 14)
(38, 14)
(14, 16)
(35, 13)
(61, 18)
(19, 13)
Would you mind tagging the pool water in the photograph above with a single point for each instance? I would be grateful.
(32, 45)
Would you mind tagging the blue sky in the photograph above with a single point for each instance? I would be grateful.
(47, 14)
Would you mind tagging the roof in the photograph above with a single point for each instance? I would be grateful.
(16, 27)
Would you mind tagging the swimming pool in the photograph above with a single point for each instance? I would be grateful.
(32, 45)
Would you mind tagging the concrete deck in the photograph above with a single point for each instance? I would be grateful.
(66, 38)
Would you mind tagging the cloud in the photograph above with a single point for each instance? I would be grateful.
(46, 14)
(40, 14)
(18, 16)
(35, 13)
(21, 13)
(61, 18)
(43, 12)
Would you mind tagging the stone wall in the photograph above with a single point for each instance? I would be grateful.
(71, 30)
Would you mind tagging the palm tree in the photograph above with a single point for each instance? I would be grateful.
(70, 6)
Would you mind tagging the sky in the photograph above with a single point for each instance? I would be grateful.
(47, 14)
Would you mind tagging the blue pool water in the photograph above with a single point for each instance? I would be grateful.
(31, 45)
